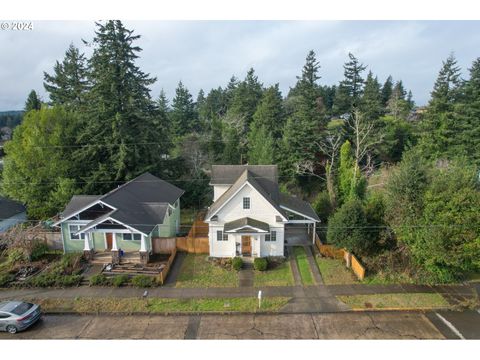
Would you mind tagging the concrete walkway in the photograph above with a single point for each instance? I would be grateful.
(175, 270)
(246, 275)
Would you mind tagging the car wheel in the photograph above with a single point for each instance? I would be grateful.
(12, 329)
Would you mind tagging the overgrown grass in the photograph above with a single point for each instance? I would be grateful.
(187, 216)
(334, 271)
(400, 301)
(388, 278)
(280, 275)
(159, 305)
(303, 266)
(196, 271)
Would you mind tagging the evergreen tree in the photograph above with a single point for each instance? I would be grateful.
(161, 122)
(269, 112)
(261, 146)
(231, 151)
(246, 96)
(350, 89)
(387, 90)
(33, 102)
(215, 143)
(351, 184)
(183, 116)
(371, 104)
(118, 123)
(68, 84)
(439, 128)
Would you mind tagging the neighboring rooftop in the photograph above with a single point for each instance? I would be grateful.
(9, 208)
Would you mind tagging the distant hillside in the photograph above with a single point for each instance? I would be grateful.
(10, 118)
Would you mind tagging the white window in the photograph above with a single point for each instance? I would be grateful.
(221, 236)
(73, 229)
(130, 236)
(246, 203)
(271, 237)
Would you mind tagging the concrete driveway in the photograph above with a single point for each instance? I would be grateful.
(371, 325)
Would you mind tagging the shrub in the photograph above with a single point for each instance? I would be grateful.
(143, 281)
(237, 263)
(5, 279)
(260, 264)
(98, 280)
(43, 280)
(120, 280)
(323, 206)
(68, 280)
(39, 249)
(15, 256)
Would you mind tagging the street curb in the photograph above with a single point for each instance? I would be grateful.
(402, 309)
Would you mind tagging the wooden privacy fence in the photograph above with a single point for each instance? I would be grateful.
(164, 273)
(350, 260)
(163, 245)
(197, 245)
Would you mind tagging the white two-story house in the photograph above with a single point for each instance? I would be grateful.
(250, 217)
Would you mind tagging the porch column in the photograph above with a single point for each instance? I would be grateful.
(86, 246)
(114, 242)
(313, 236)
(87, 249)
(115, 255)
(144, 256)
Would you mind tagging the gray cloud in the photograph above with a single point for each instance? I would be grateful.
(204, 54)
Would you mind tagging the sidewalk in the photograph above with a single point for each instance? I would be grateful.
(296, 292)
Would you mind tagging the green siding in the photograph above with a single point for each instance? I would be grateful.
(98, 241)
(127, 245)
(169, 227)
(70, 245)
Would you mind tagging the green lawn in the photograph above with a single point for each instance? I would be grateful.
(334, 271)
(281, 275)
(388, 278)
(196, 272)
(401, 301)
(303, 266)
(159, 305)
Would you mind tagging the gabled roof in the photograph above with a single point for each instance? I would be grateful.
(246, 176)
(264, 179)
(9, 208)
(140, 203)
(266, 176)
(245, 223)
(78, 202)
(297, 205)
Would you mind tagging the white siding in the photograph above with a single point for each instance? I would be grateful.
(260, 209)
(218, 190)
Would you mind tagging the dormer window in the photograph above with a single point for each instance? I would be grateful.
(246, 203)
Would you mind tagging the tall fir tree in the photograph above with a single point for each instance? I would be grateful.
(117, 124)
(439, 127)
(33, 102)
(261, 146)
(371, 102)
(68, 84)
(270, 113)
(183, 115)
(397, 105)
(387, 90)
(350, 88)
(161, 122)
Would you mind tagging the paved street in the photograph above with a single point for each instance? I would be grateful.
(348, 325)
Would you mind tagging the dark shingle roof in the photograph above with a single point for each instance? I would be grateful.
(78, 202)
(264, 179)
(245, 176)
(9, 208)
(266, 176)
(246, 222)
(141, 203)
(298, 205)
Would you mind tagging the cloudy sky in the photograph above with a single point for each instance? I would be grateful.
(205, 54)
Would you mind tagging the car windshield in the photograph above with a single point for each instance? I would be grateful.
(21, 308)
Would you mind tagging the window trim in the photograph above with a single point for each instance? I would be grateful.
(222, 236)
(79, 237)
(246, 200)
(271, 236)
(132, 236)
